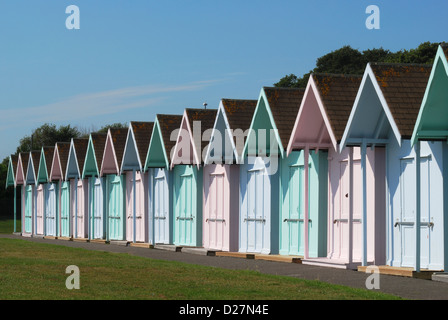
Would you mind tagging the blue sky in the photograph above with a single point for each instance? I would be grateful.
(133, 59)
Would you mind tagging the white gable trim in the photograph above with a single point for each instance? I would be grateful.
(368, 73)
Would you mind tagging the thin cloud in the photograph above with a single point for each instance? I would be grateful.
(96, 104)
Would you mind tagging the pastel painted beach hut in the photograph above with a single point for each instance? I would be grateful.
(27, 196)
(186, 163)
(432, 127)
(221, 174)
(96, 191)
(384, 116)
(37, 193)
(264, 150)
(50, 202)
(58, 173)
(78, 188)
(11, 182)
(160, 188)
(136, 149)
(319, 127)
(115, 184)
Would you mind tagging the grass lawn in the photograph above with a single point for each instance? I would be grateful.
(37, 271)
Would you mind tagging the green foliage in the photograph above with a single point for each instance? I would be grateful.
(347, 60)
(47, 135)
(116, 125)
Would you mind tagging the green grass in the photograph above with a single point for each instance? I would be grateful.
(31, 270)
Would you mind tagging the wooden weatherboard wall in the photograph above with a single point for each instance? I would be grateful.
(186, 163)
(432, 125)
(384, 114)
(221, 174)
(136, 149)
(160, 189)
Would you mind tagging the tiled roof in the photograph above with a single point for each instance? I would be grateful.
(99, 141)
(207, 119)
(284, 104)
(403, 87)
(168, 123)
(81, 150)
(14, 160)
(119, 142)
(48, 156)
(35, 158)
(142, 133)
(25, 157)
(338, 93)
(63, 151)
(239, 114)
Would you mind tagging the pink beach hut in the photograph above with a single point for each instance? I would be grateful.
(136, 149)
(57, 173)
(78, 188)
(319, 127)
(221, 174)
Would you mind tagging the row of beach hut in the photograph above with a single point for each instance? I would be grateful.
(349, 171)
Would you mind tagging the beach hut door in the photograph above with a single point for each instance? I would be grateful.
(405, 224)
(50, 209)
(65, 209)
(296, 213)
(160, 208)
(115, 207)
(81, 210)
(28, 208)
(40, 209)
(98, 207)
(215, 219)
(185, 215)
(255, 219)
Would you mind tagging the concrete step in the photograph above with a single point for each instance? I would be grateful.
(331, 263)
(440, 276)
(199, 251)
(168, 247)
(119, 242)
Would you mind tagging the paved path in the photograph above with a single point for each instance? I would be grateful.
(408, 288)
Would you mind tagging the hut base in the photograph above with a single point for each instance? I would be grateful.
(402, 271)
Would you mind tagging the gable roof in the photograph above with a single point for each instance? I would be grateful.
(398, 91)
(164, 126)
(12, 168)
(22, 165)
(338, 93)
(282, 106)
(94, 154)
(403, 87)
(32, 167)
(116, 140)
(76, 157)
(60, 159)
(432, 120)
(235, 114)
(137, 141)
(191, 117)
(45, 162)
(324, 110)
